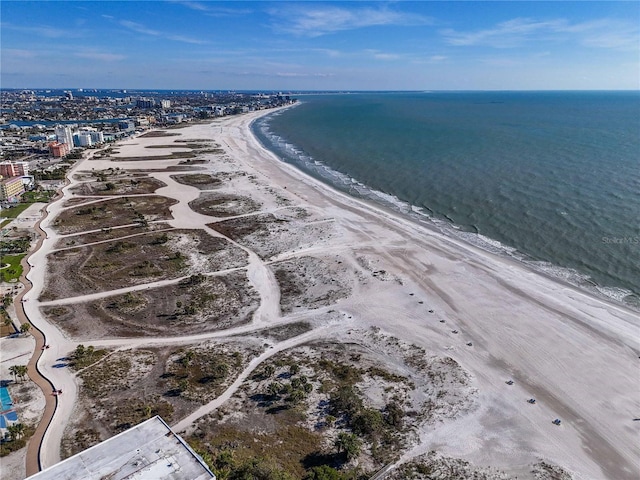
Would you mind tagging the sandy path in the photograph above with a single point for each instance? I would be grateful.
(575, 353)
(226, 395)
(60, 346)
(258, 274)
(33, 447)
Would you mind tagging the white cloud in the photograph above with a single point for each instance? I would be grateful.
(192, 5)
(139, 28)
(378, 55)
(100, 56)
(603, 33)
(296, 74)
(181, 38)
(18, 53)
(43, 31)
(505, 35)
(317, 20)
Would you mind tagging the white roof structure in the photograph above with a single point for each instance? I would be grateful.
(148, 451)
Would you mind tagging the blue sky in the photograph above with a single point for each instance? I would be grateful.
(398, 45)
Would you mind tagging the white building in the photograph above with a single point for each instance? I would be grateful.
(165, 104)
(97, 137)
(148, 451)
(64, 135)
(83, 139)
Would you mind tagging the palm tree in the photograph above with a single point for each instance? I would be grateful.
(296, 396)
(7, 300)
(25, 327)
(348, 443)
(269, 370)
(187, 358)
(13, 370)
(16, 431)
(273, 389)
(79, 352)
(22, 371)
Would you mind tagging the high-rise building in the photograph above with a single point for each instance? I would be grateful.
(145, 102)
(14, 169)
(64, 135)
(84, 139)
(97, 137)
(11, 189)
(59, 150)
(165, 104)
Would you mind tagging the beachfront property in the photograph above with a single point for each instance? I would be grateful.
(14, 169)
(11, 189)
(58, 149)
(64, 135)
(148, 451)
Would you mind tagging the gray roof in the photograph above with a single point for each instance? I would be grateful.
(148, 451)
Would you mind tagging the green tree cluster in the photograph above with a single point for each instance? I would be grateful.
(18, 371)
(227, 467)
(84, 356)
(17, 436)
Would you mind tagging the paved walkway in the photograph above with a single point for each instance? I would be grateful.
(33, 448)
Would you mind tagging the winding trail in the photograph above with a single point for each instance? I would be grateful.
(574, 352)
(226, 395)
(44, 366)
(33, 449)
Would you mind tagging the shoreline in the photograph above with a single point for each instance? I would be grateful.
(575, 277)
(520, 279)
(571, 350)
(424, 221)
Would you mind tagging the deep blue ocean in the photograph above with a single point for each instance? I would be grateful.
(550, 178)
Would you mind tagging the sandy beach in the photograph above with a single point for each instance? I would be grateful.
(353, 267)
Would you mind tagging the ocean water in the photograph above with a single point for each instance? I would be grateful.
(550, 178)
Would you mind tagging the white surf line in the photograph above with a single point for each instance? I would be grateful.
(136, 288)
(226, 395)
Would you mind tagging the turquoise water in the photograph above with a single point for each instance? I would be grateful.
(550, 178)
(5, 399)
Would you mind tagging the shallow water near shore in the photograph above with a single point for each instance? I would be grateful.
(549, 178)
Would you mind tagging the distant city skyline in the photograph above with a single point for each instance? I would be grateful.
(397, 45)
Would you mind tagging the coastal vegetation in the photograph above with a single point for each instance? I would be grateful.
(114, 212)
(131, 386)
(17, 437)
(308, 413)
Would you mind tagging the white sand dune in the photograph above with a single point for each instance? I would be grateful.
(575, 353)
